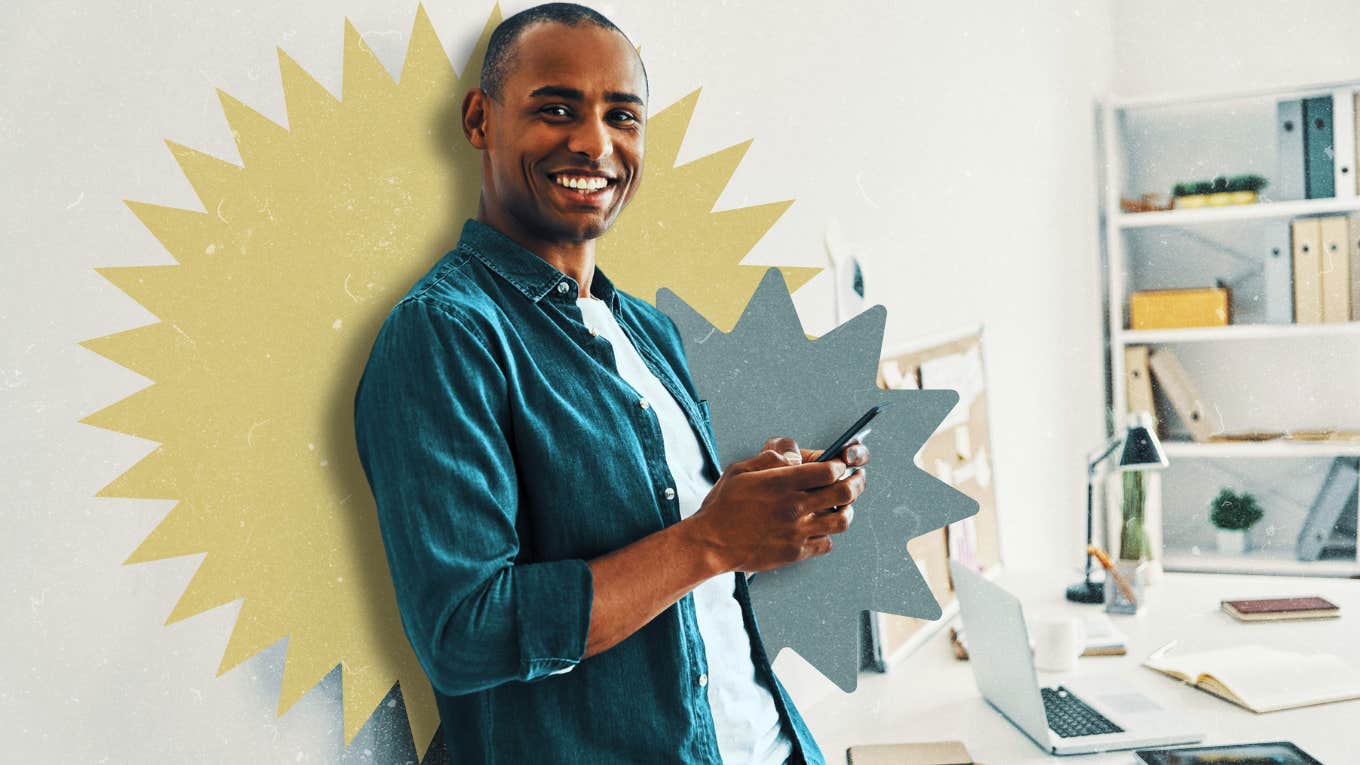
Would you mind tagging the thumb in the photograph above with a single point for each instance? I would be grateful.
(787, 447)
(764, 461)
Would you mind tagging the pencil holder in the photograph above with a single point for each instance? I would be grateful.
(1117, 597)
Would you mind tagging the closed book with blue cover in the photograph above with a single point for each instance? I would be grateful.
(1319, 165)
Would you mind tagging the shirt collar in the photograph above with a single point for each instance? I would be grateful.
(530, 274)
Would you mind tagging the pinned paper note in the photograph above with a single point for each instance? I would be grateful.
(963, 543)
(892, 375)
(960, 372)
(944, 471)
(984, 468)
(962, 442)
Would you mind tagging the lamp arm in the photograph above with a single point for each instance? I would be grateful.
(1092, 469)
(1096, 462)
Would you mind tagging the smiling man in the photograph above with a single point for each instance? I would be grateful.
(566, 551)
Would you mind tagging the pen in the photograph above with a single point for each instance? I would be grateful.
(1119, 579)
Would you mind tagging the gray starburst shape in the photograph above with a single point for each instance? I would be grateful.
(766, 378)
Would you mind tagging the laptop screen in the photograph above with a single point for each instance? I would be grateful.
(998, 650)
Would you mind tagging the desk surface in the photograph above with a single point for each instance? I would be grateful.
(930, 695)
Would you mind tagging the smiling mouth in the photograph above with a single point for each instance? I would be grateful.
(585, 185)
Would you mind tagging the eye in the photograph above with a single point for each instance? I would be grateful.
(557, 111)
(624, 116)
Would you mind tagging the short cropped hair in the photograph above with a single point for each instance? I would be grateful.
(500, 49)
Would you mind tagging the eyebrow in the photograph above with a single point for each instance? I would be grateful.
(572, 94)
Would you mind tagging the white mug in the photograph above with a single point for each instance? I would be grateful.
(1058, 641)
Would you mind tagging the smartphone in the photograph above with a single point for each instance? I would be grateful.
(854, 433)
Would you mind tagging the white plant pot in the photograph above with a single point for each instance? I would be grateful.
(1233, 542)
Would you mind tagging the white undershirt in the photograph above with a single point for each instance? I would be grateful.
(744, 713)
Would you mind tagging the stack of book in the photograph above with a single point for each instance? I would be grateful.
(1281, 609)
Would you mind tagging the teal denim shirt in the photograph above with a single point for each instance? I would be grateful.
(505, 451)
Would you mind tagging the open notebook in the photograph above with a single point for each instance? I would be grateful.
(1263, 679)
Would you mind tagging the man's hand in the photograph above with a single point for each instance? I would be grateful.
(773, 509)
(779, 507)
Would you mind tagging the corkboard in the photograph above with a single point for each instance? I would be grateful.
(954, 457)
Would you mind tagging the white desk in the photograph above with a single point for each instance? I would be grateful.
(930, 695)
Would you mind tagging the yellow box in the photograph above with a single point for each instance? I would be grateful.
(1172, 309)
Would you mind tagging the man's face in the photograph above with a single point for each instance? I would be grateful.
(564, 138)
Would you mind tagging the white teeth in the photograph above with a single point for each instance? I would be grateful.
(583, 183)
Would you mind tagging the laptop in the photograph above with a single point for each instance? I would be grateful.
(1078, 717)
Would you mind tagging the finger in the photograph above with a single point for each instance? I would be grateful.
(816, 546)
(766, 460)
(787, 447)
(856, 455)
(833, 521)
(809, 475)
(811, 455)
(837, 494)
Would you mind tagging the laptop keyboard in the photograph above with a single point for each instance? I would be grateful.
(1069, 716)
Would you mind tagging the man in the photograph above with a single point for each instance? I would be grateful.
(566, 555)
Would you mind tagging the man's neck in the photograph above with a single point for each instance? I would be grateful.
(575, 259)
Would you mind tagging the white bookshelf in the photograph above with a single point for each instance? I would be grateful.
(1256, 376)
(1274, 449)
(1236, 332)
(1258, 211)
(1256, 563)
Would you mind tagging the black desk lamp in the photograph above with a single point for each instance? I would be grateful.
(1138, 449)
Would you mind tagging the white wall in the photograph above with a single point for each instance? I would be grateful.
(953, 141)
(1164, 47)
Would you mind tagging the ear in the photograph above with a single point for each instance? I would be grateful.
(474, 117)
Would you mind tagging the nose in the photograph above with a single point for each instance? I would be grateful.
(591, 139)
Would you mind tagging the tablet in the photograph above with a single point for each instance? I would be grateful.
(1272, 753)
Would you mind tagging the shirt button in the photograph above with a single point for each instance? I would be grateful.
(703, 680)
(563, 287)
(669, 493)
(594, 332)
(642, 402)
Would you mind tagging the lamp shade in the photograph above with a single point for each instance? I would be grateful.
(1141, 450)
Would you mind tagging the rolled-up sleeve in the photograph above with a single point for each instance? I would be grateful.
(432, 424)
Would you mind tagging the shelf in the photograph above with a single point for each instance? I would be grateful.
(1256, 563)
(1275, 448)
(1195, 99)
(1237, 332)
(1258, 211)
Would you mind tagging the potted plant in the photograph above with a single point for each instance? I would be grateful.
(1223, 190)
(1134, 550)
(1245, 189)
(1133, 542)
(1233, 515)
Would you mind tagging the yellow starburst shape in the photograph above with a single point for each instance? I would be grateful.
(266, 319)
